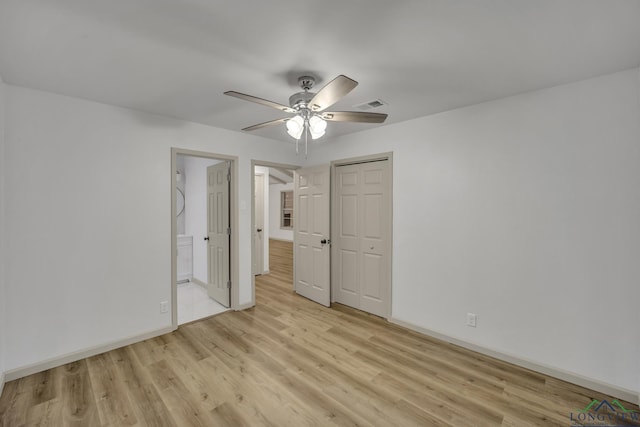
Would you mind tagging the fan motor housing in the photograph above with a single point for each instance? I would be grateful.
(300, 100)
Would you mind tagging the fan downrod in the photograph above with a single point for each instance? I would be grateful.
(306, 82)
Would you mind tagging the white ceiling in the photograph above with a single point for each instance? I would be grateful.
(280, 176)
(177, 57)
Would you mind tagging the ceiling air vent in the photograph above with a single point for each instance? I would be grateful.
(370, 105)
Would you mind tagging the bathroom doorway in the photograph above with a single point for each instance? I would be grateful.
(204, 229)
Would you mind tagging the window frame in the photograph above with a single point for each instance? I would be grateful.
(284, 210)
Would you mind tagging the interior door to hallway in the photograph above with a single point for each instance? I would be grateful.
(218, 233)
(362, 246)
(311, 248)
(258, 226)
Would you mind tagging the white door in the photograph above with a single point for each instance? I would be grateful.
(362, 263)
(218, 232)
(258, 226)
(311, 255)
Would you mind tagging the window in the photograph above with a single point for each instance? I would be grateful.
(286, 209)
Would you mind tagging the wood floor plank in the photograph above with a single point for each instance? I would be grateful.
(198, 381)
(148, 406)
(79, 403)
(114, 406)
(332, 352)
(444, 407)
(44, 388)
(226, 414)
(331, 411)
(236, 395)
(255, 390)
(291, 362)
(185, 408)
(358, 395)
(45, 414)
(15, 402)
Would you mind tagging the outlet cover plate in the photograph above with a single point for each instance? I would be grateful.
(471, 320)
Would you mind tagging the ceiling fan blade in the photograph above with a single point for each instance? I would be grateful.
(260, 101)
(265, 124)
(353, 116)
(332, 92)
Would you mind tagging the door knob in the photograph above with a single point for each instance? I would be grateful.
(206, 238)
(325, 241)
(259, 230)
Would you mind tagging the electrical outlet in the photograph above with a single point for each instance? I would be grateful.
(471, 320)
(164, 306)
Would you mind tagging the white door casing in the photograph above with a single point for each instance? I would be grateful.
(218, 232)
(311, 233)
(258, 227)
(362, 238)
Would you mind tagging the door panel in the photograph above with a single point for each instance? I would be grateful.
(217, 232)
(372, 216)
(303, 217)
(349, 273)
(371, 269)
(349, 216)
(320, 220)
(348, 280)
(319, 274)
(363, 230)
(311, 227)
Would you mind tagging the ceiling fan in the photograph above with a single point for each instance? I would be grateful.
(309, 108)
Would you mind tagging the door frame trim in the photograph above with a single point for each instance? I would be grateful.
(260, 267)
(334, 217)
(266, 164)
(234, 253)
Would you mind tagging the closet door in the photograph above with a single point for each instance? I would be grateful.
(347, 244)
(362, 245)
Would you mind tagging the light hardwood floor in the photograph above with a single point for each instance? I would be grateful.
(290, 362)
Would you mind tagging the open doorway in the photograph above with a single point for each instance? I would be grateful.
(204, 234)
(272, 219)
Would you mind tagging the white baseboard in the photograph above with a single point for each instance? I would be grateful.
(199, 282)
(14, 374)
(602, 387)
(2, 381)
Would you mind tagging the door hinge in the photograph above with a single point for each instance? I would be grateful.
(228, 284)
(229, 231)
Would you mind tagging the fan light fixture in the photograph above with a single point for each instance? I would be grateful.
(315, 125)
(295, 126)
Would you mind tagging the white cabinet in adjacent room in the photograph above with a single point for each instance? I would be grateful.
(185, 258)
